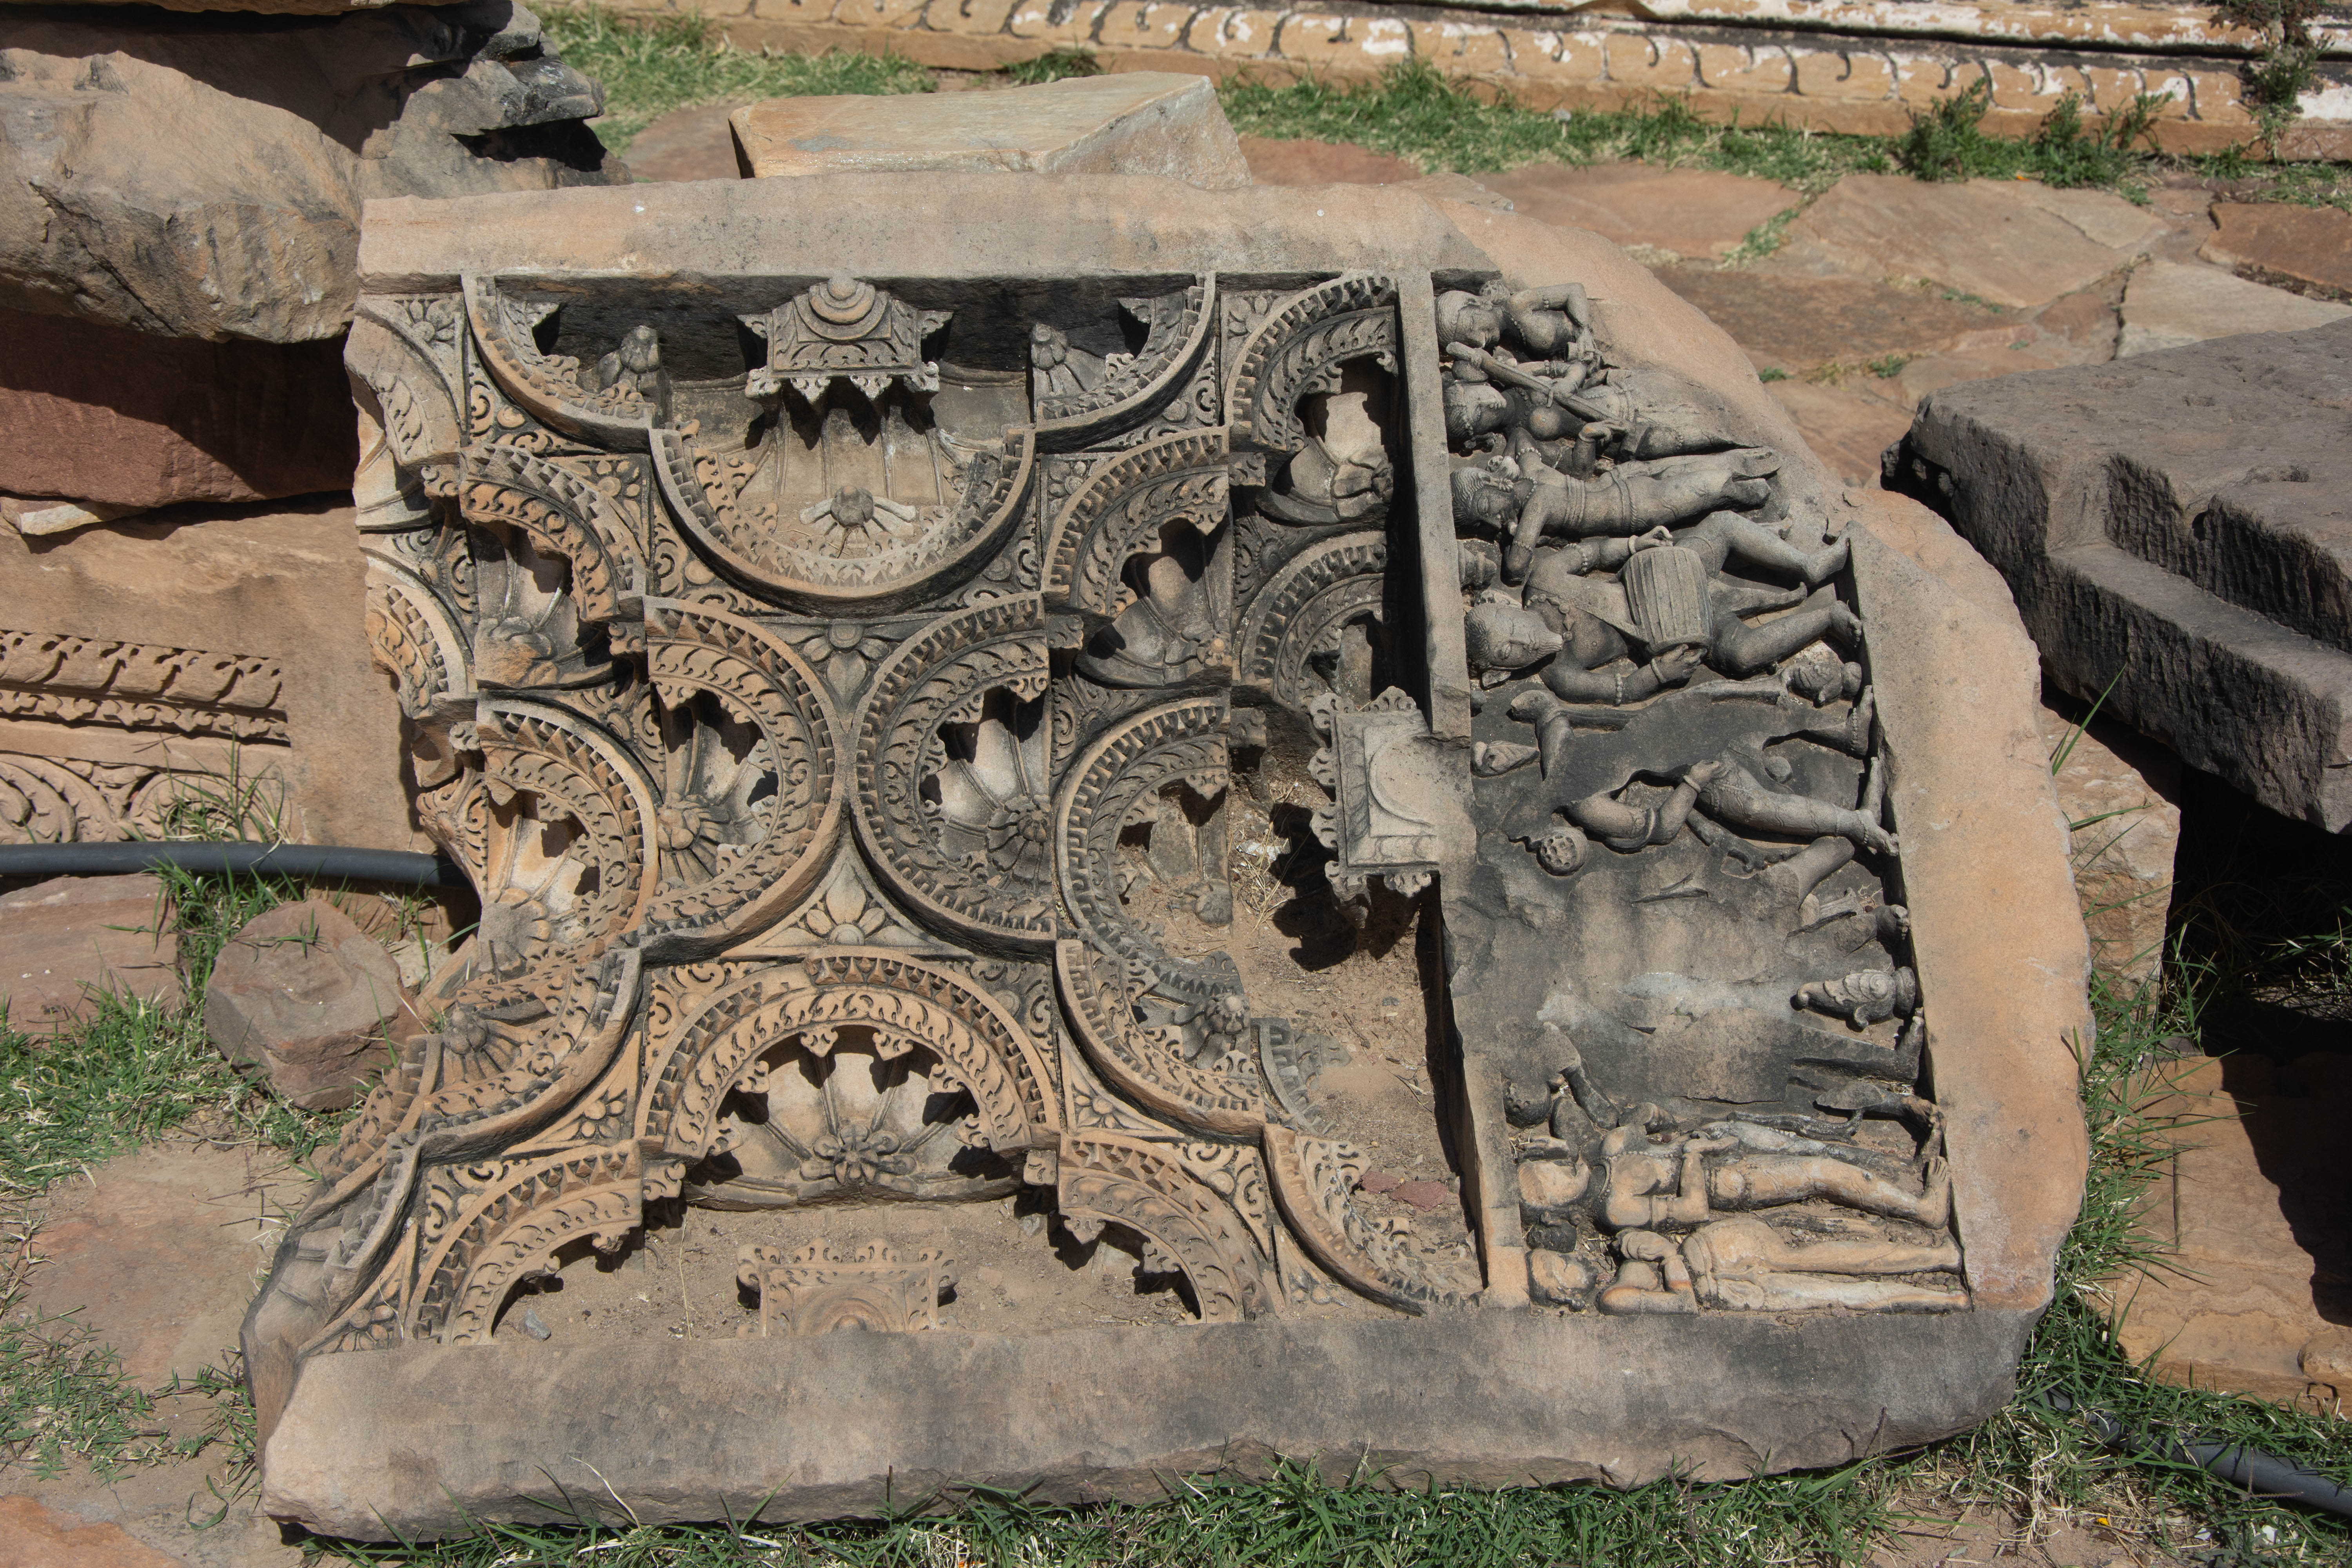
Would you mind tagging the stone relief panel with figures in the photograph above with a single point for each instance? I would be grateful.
(838, 692)
(1718, 1103)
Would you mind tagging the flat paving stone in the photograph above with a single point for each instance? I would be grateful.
(66, 938)
(1685, 212)
(686, 145)
(1310, 162)
(1846, 427)
(2168, 306)
(2304, 245)
(32, 1536)
(2011, 243)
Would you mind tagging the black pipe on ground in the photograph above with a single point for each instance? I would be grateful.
(2248, 1469)
(330, 862)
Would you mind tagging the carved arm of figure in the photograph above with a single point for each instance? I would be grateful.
(1721, 535)
(1633, 497)
(1739, 648)
(1864, 997)
(1625, 828)
(1649, 1185)
(1639, 1287)
(1549, 320)
(1734, 796)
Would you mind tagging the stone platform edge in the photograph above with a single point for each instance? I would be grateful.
(381, 1445)
(1820, 66)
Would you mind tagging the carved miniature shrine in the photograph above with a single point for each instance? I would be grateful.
(842, 673)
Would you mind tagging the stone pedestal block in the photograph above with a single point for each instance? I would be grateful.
(62, 940)
(302, 997)
(1142, 122)
(2175, 528)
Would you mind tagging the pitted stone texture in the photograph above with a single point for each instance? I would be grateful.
(2177, 525)
(2257, 1271)
(2121, 794)
(301, 994)
(1311, 162)
(107, 414)
(195, 181)
(66, 938)
(2170, 306)
(1139, 123)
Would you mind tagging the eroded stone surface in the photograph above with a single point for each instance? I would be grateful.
(1312, 162)
(1672, 213)
(64, 939)
(2174, 524)
(2121, 796)
(33, 1536)
(2282, 242)
(1137, 123)
(302, 996)
(870, 893)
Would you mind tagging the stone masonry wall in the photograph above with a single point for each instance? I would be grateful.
(1830, 67)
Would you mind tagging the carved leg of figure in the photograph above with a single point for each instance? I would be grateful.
(1628, 827)
(1652, 1278)
(1759, 1181)
(1780, 1291)
(1737, 798)
(1746, 1244)
(1724, 534)
(1794, 879)
(1739, 648)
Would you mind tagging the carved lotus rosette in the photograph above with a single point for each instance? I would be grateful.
(1104, 793)
(901, 1003)
(747, 826)
(1144, 1063)
(557, 833)
(1299, 615)
(819, 569)
(951, 789)
(1120, 508)
(414, 638)
(1134, 389)
(548, 387)
(1298, 350)
(563, 511)
(1141, 1185)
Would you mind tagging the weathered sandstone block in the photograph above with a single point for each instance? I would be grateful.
(870, 634)
(2175, 526)
(65, 938)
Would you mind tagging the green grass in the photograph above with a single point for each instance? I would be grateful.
(680, 61)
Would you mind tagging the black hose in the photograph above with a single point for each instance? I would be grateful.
(329, 861)
(2248, 1470)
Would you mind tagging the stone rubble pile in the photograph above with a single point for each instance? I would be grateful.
(180, 194)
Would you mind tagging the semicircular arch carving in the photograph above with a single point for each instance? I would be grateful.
(1301, 611)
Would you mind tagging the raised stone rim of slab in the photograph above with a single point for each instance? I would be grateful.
(1135, 123)
(406, 1436)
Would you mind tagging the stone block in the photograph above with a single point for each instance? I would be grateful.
(302, 997)
(1124, 122)
(1987, 237)
(1313, 38)
(62, 940)
(2274, 240)
(193, 181)
(879, 12)
(1651, 60)
(2175, 524)
(103, 414)
(2121, 796)
(1322, 163)
(1145, 24)
(1737, 67)
(1230, 31)
(2167, 305)
(1681, 212)
(188, 654)
(35, 1536)
(979, 16)
(1457, 48)
(1921, 79)
(1070, 28)
(2256, 1270)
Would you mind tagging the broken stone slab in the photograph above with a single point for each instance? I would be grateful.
(301, 995)
(2255, 1274)
(1129, 122)
(2168, 305)
(191, 658)
(37, 519)
(114, 419)
(63, 939)
(189, 180)
(1191, 515)
(2277, 241)
(2012, 243)
(2175, 526)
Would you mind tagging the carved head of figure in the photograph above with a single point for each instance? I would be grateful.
(1485, 495)
(641, 350)
(1475, 406)
(1048, 346)
(1466, 317)
(1503, 635)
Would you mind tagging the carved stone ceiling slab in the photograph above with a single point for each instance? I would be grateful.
(839, 678)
